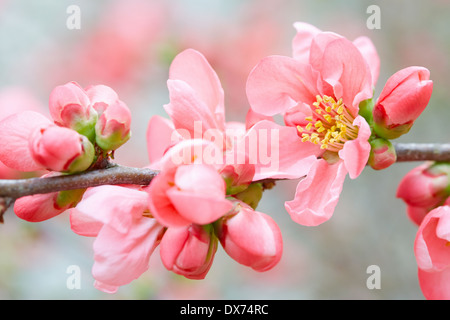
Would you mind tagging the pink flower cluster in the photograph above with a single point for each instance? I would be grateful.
(425, 190)
(212, 172)
(85, 126)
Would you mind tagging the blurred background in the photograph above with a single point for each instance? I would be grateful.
(129, 45)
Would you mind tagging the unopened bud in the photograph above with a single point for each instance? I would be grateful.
(113, 126)
(70, 107)
(61, 149)
(382, 154)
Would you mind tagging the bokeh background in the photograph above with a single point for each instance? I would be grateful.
(129, 45)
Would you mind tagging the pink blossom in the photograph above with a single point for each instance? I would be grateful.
(432, 252)
(424, 188)
(126, 234)
(189, 188)
(189, 251)
(403, 98)
(61, 149)
(251, 238)
(196, 109)
(318, 92)
(16, 131)
(70, 106)
(113, 127)
(41, 207)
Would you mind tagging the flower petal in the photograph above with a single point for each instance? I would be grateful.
(16, 131)
(122, 257)
(317, 195)
(278, 83)
(344, 68)
(301, 43)
(355, 153)
(161, 135)
(435, 285)
(278, 152)
(369, 52)
(191, 67)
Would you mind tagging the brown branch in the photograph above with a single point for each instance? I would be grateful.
(111, 174)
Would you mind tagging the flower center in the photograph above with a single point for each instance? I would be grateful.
(330, 124)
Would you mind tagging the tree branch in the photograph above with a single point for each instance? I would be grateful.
(112, 174)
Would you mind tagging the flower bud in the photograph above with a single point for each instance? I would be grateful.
(402, 100)
(41, 207)
(189, 251)
(70, 107)
(113, 126)
(425, 186)
(382, 154)
(237, 177)
(61, 149)
(251, 238)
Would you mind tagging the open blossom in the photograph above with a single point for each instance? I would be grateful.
(432, 251)
(318, 92)
(125, 233)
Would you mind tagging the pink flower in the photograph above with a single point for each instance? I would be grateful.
(424, 188)
(402, 100)
(70, 107)
(41, 207)
(196, 109)
(189, 188)
(318, 92)
(61, 149)
(126, 234)
(189, 251)
(251, 238)
(113, 127)
(432, 251)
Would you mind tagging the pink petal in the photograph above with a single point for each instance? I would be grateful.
(38, 207)
(253, 239)
(369, 52)
(191, 67)
(278, 83)
(189, 112)
(160, 136)
(160, 205)
(435, 285)
(355, 153)
(122, 257)
(430, 247)
(344, 68)
(406, 94)
(199, 209)
(115, 206)
(16, 131)
(301, 43)
(101, 97)
(317, 195)
(278, 152)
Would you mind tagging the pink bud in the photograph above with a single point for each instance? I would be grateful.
(40, 207)
(189, 251)
(402, 100)
(425, 186)
(382, 154)
(61, 149)
(251, 238)
(101, 97)
(70, 107)
(113, 126)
